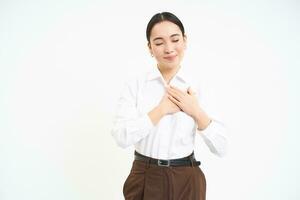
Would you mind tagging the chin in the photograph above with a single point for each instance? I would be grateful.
(171, 65)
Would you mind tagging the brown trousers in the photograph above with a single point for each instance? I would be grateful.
(151, 182)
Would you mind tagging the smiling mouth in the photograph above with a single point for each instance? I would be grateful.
(170, 57)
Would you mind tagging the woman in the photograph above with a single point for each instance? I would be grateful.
(160, 115)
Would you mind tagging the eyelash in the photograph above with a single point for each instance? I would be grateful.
(162, 43)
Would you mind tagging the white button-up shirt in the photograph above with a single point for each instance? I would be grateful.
(174, 135)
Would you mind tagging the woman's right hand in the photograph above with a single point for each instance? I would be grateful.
(167, 106)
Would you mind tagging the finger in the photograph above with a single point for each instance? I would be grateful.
(190, 91)
(177, 103)
(167, 86)
(175, 95)
(174, 100)
(176, 91)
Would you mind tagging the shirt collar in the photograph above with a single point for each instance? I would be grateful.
(181, 74)
(154, 74)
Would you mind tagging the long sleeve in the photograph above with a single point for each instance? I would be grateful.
(215, 137)
(129, 126)
(216, 133)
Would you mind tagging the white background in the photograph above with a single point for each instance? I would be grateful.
(62, 65)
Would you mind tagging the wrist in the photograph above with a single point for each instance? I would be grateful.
(197, 116)
(160, 110)
(156, 114)
(202, 120)
(203, 125)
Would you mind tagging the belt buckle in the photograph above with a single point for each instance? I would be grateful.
(162, 163)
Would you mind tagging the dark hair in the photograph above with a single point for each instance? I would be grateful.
(160, 17)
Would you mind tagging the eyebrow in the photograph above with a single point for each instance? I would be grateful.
(160, 38)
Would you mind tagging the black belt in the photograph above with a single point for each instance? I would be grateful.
(186, 161)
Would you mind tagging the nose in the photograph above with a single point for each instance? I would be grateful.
(169, 48)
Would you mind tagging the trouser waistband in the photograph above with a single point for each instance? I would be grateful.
(186, 161)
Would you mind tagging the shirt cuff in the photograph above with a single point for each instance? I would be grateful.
(209, 130)
(214, 136)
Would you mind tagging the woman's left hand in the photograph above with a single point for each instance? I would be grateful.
(187, 101)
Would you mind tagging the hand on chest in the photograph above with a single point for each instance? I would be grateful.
(151, 94)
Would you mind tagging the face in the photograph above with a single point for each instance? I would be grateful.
(167, 45)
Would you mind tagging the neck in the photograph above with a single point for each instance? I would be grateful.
(168, 73)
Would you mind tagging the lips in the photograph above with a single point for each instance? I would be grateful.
(170, 57)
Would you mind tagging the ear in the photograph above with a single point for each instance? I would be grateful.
(149, 48)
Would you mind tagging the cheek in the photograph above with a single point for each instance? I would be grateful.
(157, 51)
(180, 48)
